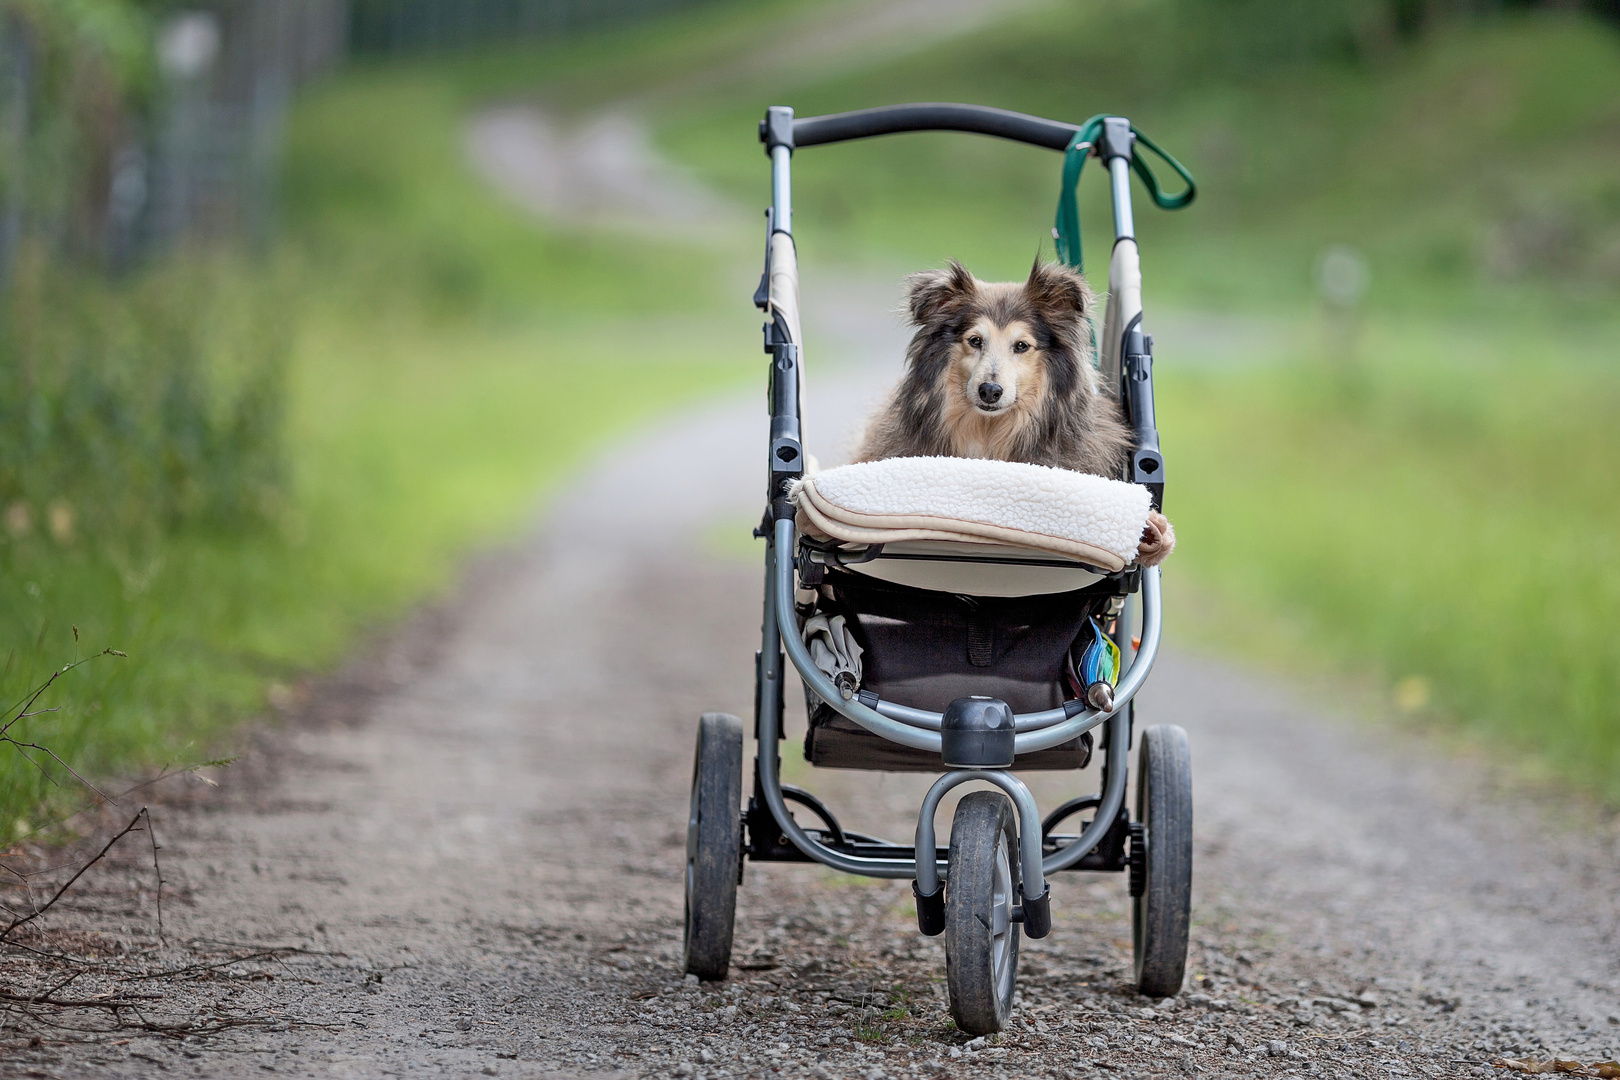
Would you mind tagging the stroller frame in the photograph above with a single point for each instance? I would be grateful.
(768, 831)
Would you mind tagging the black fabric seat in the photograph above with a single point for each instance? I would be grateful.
(925, 649)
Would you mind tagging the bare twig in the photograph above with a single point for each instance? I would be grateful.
(50, 998)
(167, 772)
(20, 709)
(37, 912)
(190, 969)
(59, 761)
(151, 834)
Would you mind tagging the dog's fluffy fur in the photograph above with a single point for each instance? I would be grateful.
(1033, 343)
(1006, 371)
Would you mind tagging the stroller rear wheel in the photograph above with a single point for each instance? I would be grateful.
(981, 890)
(1161, 873)
(713, 845)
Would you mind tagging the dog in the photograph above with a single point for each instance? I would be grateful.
(1006, 371)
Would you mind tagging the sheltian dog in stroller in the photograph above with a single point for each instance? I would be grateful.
(1006, 371)
(974, 597)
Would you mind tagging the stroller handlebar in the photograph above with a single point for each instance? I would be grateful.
(923, 116)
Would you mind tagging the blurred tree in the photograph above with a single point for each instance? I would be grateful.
(1234, 35)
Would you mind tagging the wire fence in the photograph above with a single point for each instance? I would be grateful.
(124, 134)
(129, 127)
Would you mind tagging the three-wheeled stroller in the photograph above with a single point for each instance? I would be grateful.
(978, 636)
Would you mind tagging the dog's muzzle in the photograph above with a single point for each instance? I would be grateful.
(989, 394)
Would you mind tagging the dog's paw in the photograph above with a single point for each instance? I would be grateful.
(1158, 540)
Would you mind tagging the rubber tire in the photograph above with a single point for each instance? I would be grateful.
(983, 823)
(713, 846)
(1162, 915)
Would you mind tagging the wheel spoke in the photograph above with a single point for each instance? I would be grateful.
(1001, 901)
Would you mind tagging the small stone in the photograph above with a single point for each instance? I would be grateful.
(1166, 1004)
(690, 980)
(489, 1070)
(685, 1068)
(706, 1056)
(1276, 1048)
(1235, 1041)
(1147, 1014)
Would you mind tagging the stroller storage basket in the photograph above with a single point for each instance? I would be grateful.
(925, 649)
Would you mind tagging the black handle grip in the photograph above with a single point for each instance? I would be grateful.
(928, 116)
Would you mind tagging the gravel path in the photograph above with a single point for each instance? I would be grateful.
(462, 856)
(476, 839)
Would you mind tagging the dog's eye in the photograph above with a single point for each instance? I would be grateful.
(1020, 346)
(975, 342)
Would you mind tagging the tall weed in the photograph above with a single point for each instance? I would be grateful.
(128, 411)
(141, 427)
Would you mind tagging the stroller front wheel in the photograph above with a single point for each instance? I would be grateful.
(1161, 873)
(713, 846)
(981, 891)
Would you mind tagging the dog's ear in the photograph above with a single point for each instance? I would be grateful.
(934, 292)
(1058, 289)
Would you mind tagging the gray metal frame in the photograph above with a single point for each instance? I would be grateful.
(1029, 828)
(918, 728)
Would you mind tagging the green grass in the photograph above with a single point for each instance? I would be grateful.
(1446, 529)
(1443, 515)
(1438, 515)
(1431, 159)
(428, 329)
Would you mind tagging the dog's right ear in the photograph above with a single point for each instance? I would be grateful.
(933, 292)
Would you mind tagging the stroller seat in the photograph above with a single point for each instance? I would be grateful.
(973, 527)
(970, 569)
(960, 576)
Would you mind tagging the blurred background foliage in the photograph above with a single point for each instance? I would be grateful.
(1409, 477)
(272, 357)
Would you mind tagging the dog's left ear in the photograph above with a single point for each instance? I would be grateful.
(1058, 289)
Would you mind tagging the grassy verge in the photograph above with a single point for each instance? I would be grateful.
(445, 361)
(1432, 505)
(1448, 532)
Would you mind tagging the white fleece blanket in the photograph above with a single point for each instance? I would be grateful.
(1090, 518)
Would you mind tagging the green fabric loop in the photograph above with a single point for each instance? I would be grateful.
(1165, 202)
(1066, 227)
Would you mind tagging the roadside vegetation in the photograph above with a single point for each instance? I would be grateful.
(233, 465)
(1415, 484)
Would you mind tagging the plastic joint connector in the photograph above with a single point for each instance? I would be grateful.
(931, 910)
(1116, 139)
(1037, 914)
(777, 128)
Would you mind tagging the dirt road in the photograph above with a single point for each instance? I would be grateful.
(467, 853)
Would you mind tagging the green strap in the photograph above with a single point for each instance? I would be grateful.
(1066, 229)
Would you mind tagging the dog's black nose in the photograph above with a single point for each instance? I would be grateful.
(989, 392)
